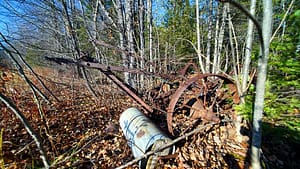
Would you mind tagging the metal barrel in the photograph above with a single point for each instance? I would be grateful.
(143, 136)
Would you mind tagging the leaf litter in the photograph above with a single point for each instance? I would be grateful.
(84, 132)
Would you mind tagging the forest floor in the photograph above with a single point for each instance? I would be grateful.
(81, 131)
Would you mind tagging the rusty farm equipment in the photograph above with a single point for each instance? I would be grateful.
(190, 96)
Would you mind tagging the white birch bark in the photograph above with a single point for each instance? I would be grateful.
(235, 62)
(198, 38)
(260, 85)
(130, 42)
(248, 50)
(221, 37)
(217, 35)
(122, 40)
(142, 41)
(209, 37)
(149, 20)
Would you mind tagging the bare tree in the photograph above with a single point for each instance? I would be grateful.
(142, 40)
(149, 20)
(198, 37)
(209, 36)
(219, 37)
(260, 85)
(29, 129)
(129, 5)
(248, 51)
(122, 36)
(75, 41)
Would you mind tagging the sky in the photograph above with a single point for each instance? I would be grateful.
(3, 20)
(7, 23)
(159, 10)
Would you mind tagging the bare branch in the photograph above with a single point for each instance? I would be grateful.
(28, 127)
(27, 66)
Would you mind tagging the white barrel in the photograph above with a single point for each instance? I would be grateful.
(142, 134)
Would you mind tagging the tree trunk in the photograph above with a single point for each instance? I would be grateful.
(248, 51)
(122, 37)
(236, 73)
(149, 20)
(209, 37)
(217, 35)
(260, 85)
(142, 41)
(130, 42)
(70, 19)
(198, 37)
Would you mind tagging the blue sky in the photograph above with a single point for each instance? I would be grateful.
(3, 19)
(7, 23)
(159, 10)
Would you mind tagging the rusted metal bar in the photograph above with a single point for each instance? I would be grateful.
(107, 71)
(95, 65)
(128, 89)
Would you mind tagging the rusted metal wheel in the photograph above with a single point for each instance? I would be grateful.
(197, 98)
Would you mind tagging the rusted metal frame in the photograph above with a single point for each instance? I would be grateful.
(126, 88)
(183, 86)
(104, 67)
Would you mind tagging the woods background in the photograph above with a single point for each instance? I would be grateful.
(160, 37)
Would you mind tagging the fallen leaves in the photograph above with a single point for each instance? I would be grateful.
(84, 132)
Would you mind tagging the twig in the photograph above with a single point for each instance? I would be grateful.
(251, 79)
(28, 127)
(77, 47)
(167, 145)
(23, 148)
(21, 71)
(34, 89)
(249, 15)
(283, 19)
(27, 66)
(62, 159)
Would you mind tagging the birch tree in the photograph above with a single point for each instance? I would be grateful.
(248, 50)
(130, 42)
(142, 40)
(260, 85)
(122, 37)
(149, 21)
(209, 36)
(198, 37)
(219, 37)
